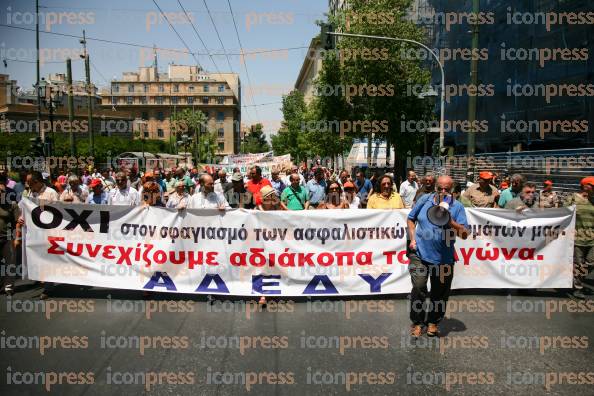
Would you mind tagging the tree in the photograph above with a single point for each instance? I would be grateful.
(287, 140)
(191, 123)
(255, 142)
(383, 66)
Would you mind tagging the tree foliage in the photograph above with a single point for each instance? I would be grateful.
(342, 69)
(255, 142)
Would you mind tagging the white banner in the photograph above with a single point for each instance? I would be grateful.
(319, 252)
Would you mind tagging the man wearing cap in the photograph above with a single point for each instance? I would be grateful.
(547, 197)
(408, 189)
(350, 195)
(97, 196)
(482, 194)
(238, 196)
(583, 251)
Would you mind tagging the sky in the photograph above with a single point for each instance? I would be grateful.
(261, 24)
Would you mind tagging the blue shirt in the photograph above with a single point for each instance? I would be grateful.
(317, 191)
(97, 199)
(506, 195)
(278, 186)
(363, 188)
(432, 245)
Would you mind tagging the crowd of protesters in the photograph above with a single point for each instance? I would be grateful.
(298, 188)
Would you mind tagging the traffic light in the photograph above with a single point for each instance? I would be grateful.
(328, 40)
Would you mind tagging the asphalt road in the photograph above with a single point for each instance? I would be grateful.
(86, 341)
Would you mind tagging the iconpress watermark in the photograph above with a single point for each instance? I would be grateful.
(47, 19)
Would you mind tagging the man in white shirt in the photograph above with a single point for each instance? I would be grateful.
(123, 194)
(206, 197)
(408, 189)
(221, 182)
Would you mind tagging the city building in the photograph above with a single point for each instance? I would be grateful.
(151, 98)
(18, 110)
(510, 106)
(312, 64)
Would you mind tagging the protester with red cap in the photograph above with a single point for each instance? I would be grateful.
(482, 194)
(583, 253)
(548, 198)
(97, 195)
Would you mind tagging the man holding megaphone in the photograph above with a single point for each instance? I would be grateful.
(433, 225)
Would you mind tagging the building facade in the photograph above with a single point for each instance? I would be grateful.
(18, 110)
(512, 112)
(151, 98)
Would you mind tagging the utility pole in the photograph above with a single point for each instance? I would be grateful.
(40, 133)
(70, 105)
(471, 141)
(85, 56)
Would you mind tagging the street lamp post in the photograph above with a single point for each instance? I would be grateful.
(442, 118)
(50, 100)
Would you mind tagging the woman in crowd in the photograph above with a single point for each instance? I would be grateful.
(334, 198)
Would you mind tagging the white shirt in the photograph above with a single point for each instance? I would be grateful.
(214, 200)
(407, 192)
(355, 203)
(128, 196)
(176, 201)
(47, 194)
(218, 187)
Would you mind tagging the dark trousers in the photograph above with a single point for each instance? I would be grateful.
(7, 262)
(441, 282)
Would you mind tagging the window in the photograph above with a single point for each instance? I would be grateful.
(116, 87)
(222, 88)
(145, 87)
(206, 115)
(206, 88)
(161, 88)
(221, 132)
(159, 100)
(160, 133)
(114, 100)
(160, 116)
(143, 100)
(205, 100)
(190, 88)
(146, 134)
(175, 87)
(220, 100)
(220, 116)
(190, 99)
(144, 115)
(221, 146)
(129, 100)
(174, 100)
(130, 87)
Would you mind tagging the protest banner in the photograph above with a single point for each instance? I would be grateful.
(318, 252)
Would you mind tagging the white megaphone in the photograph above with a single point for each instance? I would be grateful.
(439, 215)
